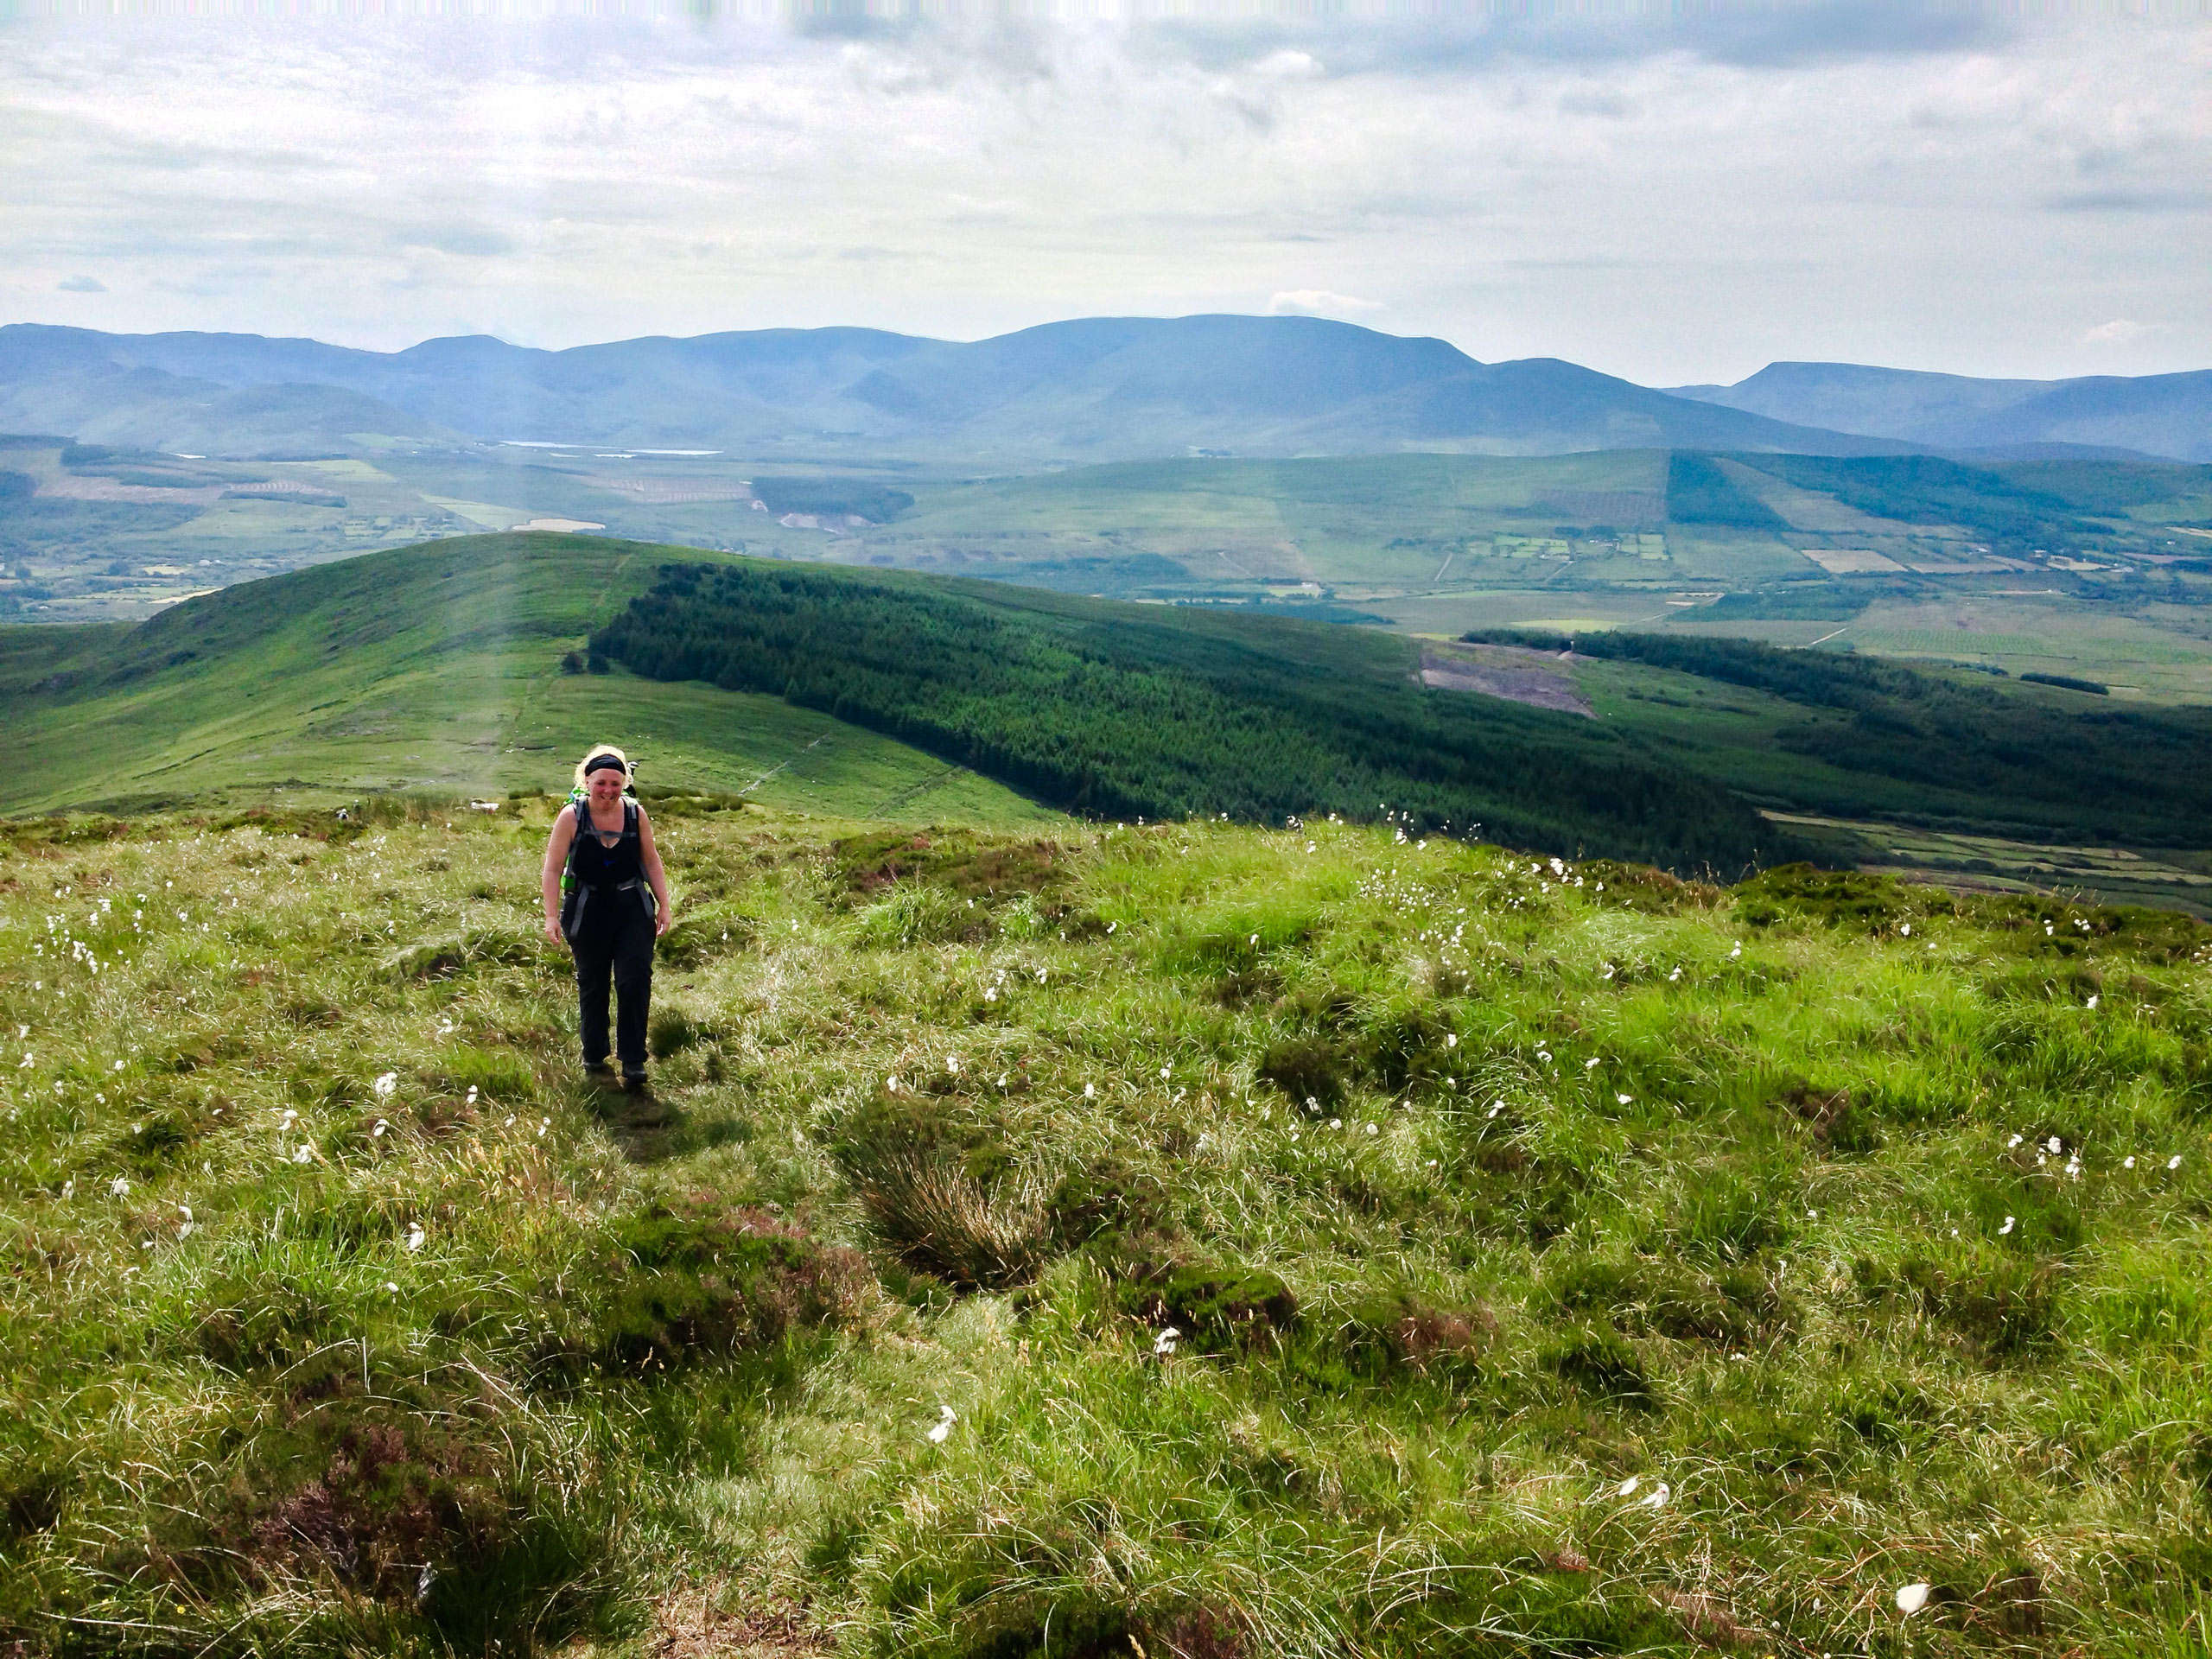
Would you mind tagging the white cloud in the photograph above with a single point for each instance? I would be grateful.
(81, 285)
(2121, 331)
(1672, 201)
(1319, 303)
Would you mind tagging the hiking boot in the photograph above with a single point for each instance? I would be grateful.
(633, 1077)
(599, 1071)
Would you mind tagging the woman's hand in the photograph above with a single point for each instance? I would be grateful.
(553, 930)
(660, 921)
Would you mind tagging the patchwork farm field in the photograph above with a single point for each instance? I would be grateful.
(2093, 568)
(1190, 1240)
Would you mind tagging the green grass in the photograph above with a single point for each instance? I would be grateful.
(1475, 1187)
(438, 666)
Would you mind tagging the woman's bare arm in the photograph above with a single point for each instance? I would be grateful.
(548, 881)
(649, 856)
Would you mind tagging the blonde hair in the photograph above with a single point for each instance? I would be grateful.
(593, 753)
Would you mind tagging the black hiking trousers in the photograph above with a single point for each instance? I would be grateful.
(614, 938)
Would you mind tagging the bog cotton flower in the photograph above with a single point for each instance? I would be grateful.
(940, 1429)
(385, 1085)
(1911, 1597)
(2006, 1228)
(1164, 1344)
(1657, 1498)
(415, 1237)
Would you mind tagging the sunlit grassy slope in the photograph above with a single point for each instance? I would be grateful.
(435, 666)
(1192, 1240)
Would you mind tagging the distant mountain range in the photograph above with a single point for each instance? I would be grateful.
(1090, 390)
(2168, 415)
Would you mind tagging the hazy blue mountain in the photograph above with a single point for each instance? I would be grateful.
(2160, 415)
(1093, 389)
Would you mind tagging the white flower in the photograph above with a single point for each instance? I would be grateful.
(2006, 1228)
(1544, 1055)
(1164, 1344)
(1608, 974)
(385, 1084)
(1373, 1130)
(2174, 1162)
(381, 1126)
(1624, 1099)
(1090, 1092)
(69, 1189)
(118, 1066)
(1657, 1498)
(2051, 1145)
(392, 1289)
(1495, 1107)
(1906, 930)
(1672, 977)
(2013, 1143)
(1254, 940)
(1335, 1123)
(1734, 951)
(1911, 1597)
(302, 1153)
(1163, 1072)
(1041, 976)
(2092, 1002)
(890, 1085)
(1628, 1487)
(990, 994)
(414, 1236)
(2128, 1162)
(952, 1064)
(118, 1188)
(471, 1099)
(1452, 1039)
(940, 1429)
(1590, 1064)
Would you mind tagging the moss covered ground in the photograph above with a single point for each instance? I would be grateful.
(1184, 1239)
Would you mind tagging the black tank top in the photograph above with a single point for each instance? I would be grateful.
(597, 864)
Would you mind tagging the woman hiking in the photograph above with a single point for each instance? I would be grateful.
(607, 896)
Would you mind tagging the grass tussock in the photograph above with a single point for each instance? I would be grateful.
(1187, 1240)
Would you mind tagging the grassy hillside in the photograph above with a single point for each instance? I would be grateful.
(1190, 1241)
(439, 666)
(1119, 711)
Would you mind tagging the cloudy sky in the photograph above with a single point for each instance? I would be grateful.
(1674, 194)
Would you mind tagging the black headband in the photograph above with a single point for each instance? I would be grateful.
(602, 762)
